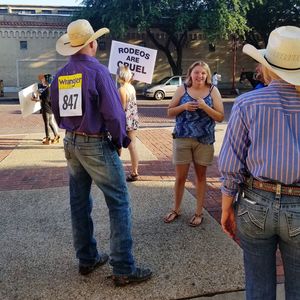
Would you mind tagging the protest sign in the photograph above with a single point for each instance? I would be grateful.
(140, 60)
(28, 106)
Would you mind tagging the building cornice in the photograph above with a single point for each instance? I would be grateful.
(39, 6)
(31, 24)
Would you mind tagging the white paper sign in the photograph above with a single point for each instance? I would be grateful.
(140, 60)
(28, 106)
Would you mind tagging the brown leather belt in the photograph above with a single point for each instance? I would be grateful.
(87, 135)
(291, 190)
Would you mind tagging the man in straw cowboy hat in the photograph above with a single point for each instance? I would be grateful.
(86, 104)
(260, 162)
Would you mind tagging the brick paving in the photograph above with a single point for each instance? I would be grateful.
(158, 140)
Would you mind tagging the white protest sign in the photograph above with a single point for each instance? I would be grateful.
(140, 60)
(28, 106)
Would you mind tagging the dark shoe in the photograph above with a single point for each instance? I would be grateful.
(132, 177)
(138, 276)
(85, 270)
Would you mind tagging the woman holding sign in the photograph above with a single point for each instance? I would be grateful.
(196, 105)
(43, 95)
(128, 100)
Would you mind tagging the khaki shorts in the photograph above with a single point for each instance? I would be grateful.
(187, 150)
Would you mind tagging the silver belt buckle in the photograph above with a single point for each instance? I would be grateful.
(278, 189)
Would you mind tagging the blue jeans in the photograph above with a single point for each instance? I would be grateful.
(265, 222)
(95, 159)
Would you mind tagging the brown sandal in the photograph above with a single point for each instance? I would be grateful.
(192, 222)
(171, 216)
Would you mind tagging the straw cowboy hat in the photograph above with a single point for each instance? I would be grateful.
(79, 34)
(282, 55)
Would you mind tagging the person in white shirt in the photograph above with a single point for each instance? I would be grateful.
(215, 79)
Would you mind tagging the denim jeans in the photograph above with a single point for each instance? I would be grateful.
(95, 159)
(265, 222)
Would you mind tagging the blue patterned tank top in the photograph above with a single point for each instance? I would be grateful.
(195, 124)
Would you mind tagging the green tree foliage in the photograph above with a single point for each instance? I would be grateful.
(265, 17)
(216, 19)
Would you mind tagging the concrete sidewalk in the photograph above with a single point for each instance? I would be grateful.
(37, 258)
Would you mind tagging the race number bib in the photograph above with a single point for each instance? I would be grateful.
(70, 100)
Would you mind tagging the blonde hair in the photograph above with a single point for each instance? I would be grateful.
(202, 64)
(124, 74)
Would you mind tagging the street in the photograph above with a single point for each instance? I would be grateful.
(151, 113)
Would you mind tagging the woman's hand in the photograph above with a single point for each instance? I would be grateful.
(191, 106)
(35, 97)
(201, 103)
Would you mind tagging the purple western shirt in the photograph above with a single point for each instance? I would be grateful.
(101, 106)
(262, 137)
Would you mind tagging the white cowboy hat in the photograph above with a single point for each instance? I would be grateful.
(282, 55)
(79, 34)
